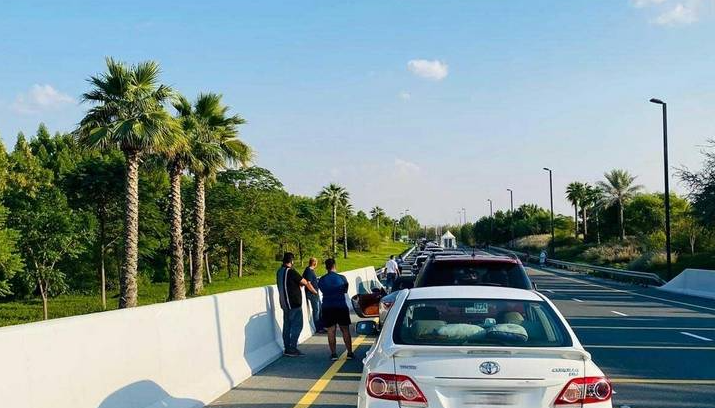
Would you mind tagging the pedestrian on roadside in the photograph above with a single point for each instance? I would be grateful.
(334, 309)
(313, 299)
(542, 257)
(391, 272)
(289, 283)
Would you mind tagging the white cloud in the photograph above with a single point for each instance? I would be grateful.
(645, 3)
(405, 96)
(679, 15)
(434, 70)
(406, 168)
(40, 98)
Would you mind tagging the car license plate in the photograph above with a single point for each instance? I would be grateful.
(488, 398)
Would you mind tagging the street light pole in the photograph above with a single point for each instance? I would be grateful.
(667, 185)
(464, 211)
(551, 194)
(511, 217)
(491, 222)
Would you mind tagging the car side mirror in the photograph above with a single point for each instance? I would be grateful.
(533, 284)
(366, 328)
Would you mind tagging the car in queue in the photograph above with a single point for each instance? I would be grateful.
(452, 270)
(478, 346)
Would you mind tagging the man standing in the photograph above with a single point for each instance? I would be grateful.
(335, 310)
(391, 270)
(314, 300)
(289, 282)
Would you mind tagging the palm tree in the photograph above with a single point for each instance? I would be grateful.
(177, 159)
(575, 192)
(334, 195)
(617, 189)
(594, 200)
(128, 114)
(348, 209)
(376, 214)
(214, 146)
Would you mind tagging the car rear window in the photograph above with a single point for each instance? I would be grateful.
(480, 322)
(466, 273)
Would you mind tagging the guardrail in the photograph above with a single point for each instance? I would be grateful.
(643, 278)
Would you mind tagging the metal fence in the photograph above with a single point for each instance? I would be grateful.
(642, 278)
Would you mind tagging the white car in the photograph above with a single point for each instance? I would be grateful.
(475, 346)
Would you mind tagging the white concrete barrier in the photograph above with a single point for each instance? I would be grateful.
(172, 355)
(694, 282)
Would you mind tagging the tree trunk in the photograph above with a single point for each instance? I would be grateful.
(177, 289)
(102, 273)
(598, 230)
(240, 258)
(43, 293)
(692, 244)
(575, 220)
(191, 263)
(128, 276)
(345, 236)
(620, 221)
(228, 260)
(197, 277)
(208, 267)
(335, 230)
(585, 222)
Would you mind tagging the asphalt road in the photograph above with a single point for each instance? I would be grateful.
(658, 348)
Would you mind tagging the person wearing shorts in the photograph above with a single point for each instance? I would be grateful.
(334, 310)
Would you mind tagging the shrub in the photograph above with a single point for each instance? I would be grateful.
(535, 242)
(652, 260)
(612, 253)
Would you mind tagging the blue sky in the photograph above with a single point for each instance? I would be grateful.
(425, 105)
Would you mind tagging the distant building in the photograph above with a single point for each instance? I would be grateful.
(448, 241)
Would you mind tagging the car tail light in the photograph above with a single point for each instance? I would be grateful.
(585, 390)
(395, 388)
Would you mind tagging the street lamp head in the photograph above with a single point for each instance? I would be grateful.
(547, 169)
(508, 189)
(658, 101)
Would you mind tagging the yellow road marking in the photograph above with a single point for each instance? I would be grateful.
(309, 398)
(660, 381)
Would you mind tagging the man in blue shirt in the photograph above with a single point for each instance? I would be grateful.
(335, 311)
(313, 299)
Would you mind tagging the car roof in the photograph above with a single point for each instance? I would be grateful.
(472, 292)
(476, 258)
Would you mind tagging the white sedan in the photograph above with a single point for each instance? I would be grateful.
(478, 347)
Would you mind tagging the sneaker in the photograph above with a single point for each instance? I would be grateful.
(351, 356)
(292, 353)
(333, 357)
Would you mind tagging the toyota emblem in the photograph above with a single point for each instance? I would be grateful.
(489, 368)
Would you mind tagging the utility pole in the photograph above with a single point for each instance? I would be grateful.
(511, 217)
(552, 248)
(491, 222)
(667, 186)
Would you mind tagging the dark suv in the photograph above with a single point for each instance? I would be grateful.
(452, 270)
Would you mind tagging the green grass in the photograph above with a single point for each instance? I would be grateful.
(26, 311)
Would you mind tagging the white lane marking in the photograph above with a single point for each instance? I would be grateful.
(712, 309)
(613, 346)
(640, 328)
(695, 336)
(578, 300)
(549, 290)
(619, 313)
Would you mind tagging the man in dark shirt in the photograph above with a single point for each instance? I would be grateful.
(289, 282)
(314, 300)
(335, 310)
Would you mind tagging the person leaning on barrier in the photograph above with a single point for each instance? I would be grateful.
(313, 299)
(334, 311)
(289, 283)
